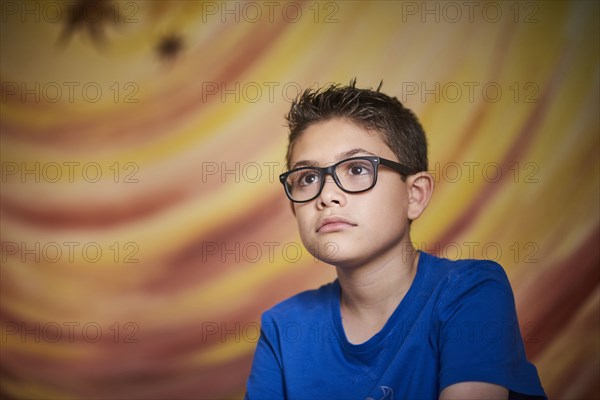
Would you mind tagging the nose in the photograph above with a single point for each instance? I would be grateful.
(331, 194)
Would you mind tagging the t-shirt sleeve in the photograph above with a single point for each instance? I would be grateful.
(479, 337)
(266, 377)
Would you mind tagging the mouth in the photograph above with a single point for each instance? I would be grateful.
(334, 224)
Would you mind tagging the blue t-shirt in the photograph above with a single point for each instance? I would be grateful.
(456, 323)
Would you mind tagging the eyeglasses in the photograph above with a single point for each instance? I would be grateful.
(352, 175)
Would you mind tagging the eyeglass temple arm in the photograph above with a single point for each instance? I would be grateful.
(403, 169)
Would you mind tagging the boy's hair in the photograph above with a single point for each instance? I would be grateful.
(371, 110)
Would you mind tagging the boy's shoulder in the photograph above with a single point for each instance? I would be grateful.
(444, 268)
(306, 302)
(464, 280)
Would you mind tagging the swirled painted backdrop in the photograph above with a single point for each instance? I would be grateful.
(143, 226)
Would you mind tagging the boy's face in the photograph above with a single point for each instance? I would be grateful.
(373, 225)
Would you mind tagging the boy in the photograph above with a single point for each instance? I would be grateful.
(397, 323)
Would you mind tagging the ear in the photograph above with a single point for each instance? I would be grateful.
(420, 188)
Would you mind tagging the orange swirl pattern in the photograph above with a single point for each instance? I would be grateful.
(143, 229)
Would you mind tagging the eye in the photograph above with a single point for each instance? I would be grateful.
(307, 178)
(356, 170)
(359, 168)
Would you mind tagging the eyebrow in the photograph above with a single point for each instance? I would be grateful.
(340, 156)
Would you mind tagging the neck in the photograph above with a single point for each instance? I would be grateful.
(373, 291)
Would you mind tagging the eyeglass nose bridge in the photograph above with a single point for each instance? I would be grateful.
(331, 172)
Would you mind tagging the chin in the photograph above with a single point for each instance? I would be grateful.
(325, 252)
(331, 252)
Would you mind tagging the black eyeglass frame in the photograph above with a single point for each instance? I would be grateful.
(375, 161)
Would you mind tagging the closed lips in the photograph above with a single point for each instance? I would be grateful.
(334, 220)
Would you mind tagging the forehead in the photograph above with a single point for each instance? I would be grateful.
(326, 142)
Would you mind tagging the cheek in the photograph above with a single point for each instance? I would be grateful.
(302, 220)
(308, 235)
(386, 211)
(390, 194)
